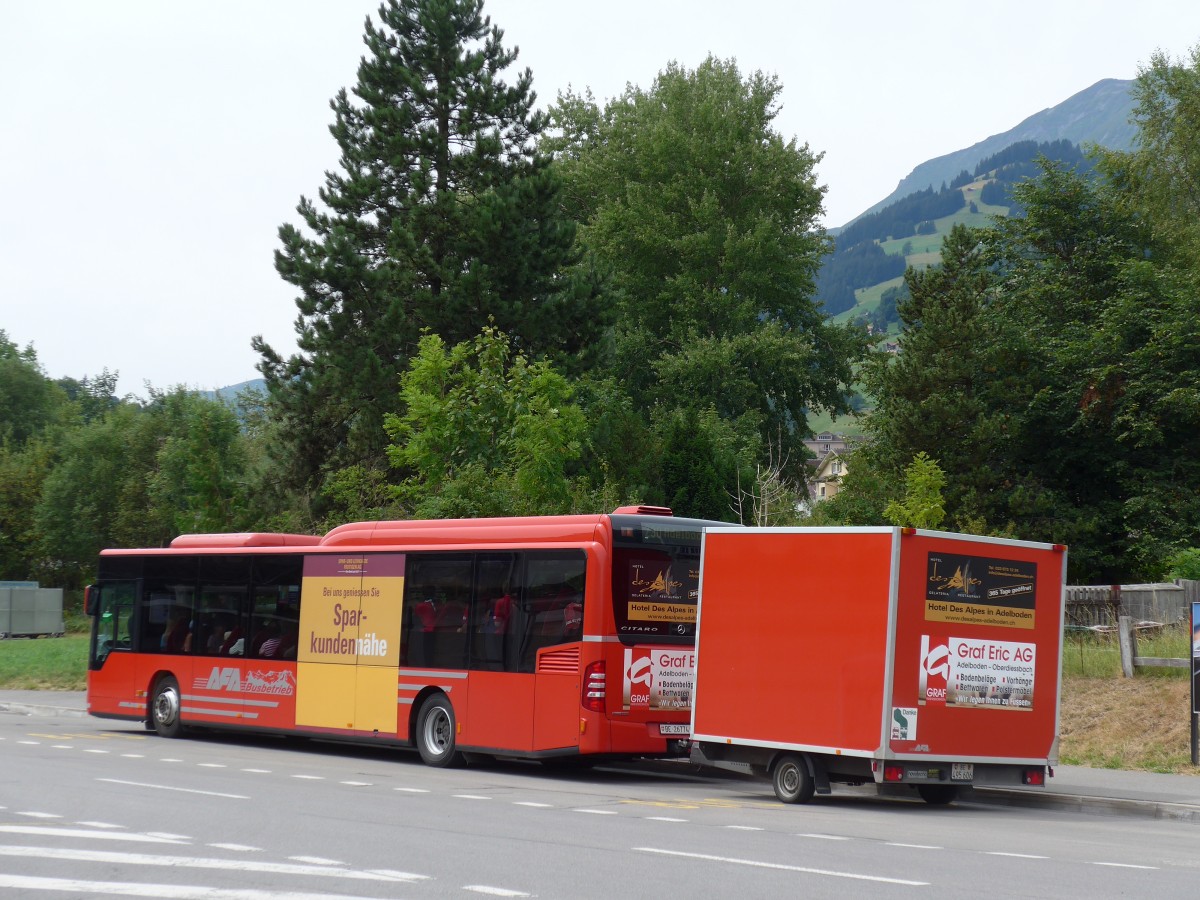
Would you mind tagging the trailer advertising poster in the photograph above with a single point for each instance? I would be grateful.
(976, 590)
(977, 673)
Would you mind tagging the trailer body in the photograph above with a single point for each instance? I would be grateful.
(920, 661)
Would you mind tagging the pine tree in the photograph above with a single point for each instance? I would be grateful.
(443, 217)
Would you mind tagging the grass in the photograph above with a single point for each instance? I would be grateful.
(1107, 721)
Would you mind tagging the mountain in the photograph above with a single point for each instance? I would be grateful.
(1097, 115)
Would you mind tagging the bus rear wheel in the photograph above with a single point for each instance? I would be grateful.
(165, 707)
(435, 733)
(791, 779)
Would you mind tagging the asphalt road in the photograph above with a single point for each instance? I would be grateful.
(96, 808)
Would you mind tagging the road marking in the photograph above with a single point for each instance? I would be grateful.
(167, 836)
(316, 860)
(167, 787)
(1123, 865)
(470, 797)
(913, 846)
(825, 837)
(237, 848)
(1015, 855)
(494, 891)
(199, 862)
(61, 747)
(356, 783)
(743, 828)
(527, 803)
(170, 759)
(258, 771)
(99, 825)
(213, 765)
(412, 790)
(664, 819)
(133, 755)
(93, 750)
(768, 865)
(310, 777)
(31, 743)
(597, 812)
(77, 886)
(40, 815)
(44, 831)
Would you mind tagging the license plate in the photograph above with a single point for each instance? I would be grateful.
(675, 729)
(962, 771)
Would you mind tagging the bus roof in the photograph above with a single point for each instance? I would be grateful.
(571, 529)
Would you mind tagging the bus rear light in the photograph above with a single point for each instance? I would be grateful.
(1034, 776)
(595, 687)
(893, 773)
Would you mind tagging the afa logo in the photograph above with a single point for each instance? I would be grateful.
(230, 679)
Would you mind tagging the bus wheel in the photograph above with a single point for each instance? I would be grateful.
(791, 779)
(164, 708)
(435, 733)
(938, 794)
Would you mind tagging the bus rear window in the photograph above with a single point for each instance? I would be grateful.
(656, 578)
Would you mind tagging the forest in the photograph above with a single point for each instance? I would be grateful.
(506, 311)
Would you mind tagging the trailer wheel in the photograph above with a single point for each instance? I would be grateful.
(791, 779)
(938, 794)
(165, 707)
(435, 733)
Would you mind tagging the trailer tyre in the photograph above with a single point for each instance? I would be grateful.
(435, 733)
(938, 794)
(791, 779)
(165, 707)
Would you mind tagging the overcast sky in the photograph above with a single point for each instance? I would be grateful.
(150, 150)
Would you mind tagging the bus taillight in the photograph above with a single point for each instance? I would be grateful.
(594, 687)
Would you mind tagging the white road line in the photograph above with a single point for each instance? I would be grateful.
(826, 837)
(597, 812)
(470, 797)
(168, 836)
(914, 846)
(494, 891)
(316, 860)
(310, 777)
(61, 747)
(199, 862)
(356, 783)
(237, 848)
(79, 887)
(46, 831)
(170, 759)
(258, 771)
(412, 790)
(167, 787)
(666, 819)
(40, 815)
(767, 865)
(133, 755)
(93, 750)
(1015, 855)
(99, 825)
(1123, 865)
(212, 765)
(31, 743)
(528, 803)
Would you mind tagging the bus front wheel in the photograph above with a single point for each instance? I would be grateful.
(435, 733)
(165, 706)
(791, 779)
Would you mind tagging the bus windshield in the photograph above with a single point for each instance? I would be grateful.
(656, 577)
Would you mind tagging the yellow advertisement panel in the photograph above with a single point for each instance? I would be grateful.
(349, 620)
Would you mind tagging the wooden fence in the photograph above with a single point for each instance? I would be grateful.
(1100, 608)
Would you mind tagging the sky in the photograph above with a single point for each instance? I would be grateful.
(150, 150)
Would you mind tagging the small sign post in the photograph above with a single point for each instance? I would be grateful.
(1195, 682)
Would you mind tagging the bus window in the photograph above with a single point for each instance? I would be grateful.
(437, 593)
(114, 613)
(552, 604)
(497, 581)
(218, 619)
(165, 622)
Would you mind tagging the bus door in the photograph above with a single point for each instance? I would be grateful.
(554, 631)
(111, 687)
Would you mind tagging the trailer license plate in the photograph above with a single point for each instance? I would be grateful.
(681, 728)
(962, 771)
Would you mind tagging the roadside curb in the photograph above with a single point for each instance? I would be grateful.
(1084, 803)
(40, 709)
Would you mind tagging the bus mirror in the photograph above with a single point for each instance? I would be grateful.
(90, 595)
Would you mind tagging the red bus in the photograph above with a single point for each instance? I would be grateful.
(543, 637)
